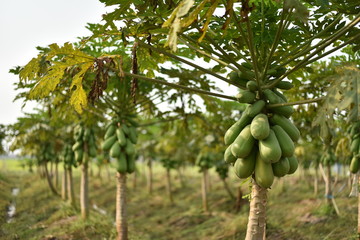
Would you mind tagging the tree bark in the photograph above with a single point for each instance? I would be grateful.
(56, 174)
(135, 180)
(70, 187)
(64, 185)
(121, 215)
(239, 199)
(355, 185)
(168, 185)
(181, 178)
(328, 190)
(150, 177)
(84, 190)
(256, 228)
(316, 181)
(227, 188)
(358, 180)
(48, 178)
(204, 190)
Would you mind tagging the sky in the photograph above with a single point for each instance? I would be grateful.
(24, 25)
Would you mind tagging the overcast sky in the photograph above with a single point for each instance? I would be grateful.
(26, 24)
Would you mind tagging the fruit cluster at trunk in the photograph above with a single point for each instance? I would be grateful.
(120, 140)
(204, 161)
(261, 142)
(68, 157)
(85, 143)
(355, 146)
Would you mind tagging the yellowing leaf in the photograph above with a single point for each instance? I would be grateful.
(77, 79)
(78, 99)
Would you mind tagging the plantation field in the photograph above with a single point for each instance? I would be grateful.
(294, 213)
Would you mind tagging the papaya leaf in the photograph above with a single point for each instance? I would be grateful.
(78, 99)
(30, 71)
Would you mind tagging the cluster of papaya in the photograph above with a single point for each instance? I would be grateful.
(47, 152)
(222, 169)
(120, 139)
(328, 157)
(261, 142)
(204, 161)
(68, 156)
(355, 146)
(85, 143)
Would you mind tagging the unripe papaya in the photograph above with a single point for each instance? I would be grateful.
(129, 149)
(269, 148)
(293, 162)
(287, 125)
(286, 144)
(280, 95)
(107, 144)
(92, 151)
(259, 127)
(121, 165)
(132, 135)
(79, 155)
(121, 137)
(130, 163)
(236, 128)
(255, 108)
(245, 96)
(228, 156)
(126, 129)
(110, 132)
(272, 97)
(355, 145)
(244, 167)
(281, 168)
(284, 85)
(354, 165)
(243, 144)
(77, 145)
(285, 111)
(87, 133)
(251, 86)
(264, 175)
(115, 150)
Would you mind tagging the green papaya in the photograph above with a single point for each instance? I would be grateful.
(280, 72)
(244, 167)
(110, 132)
(245, 96)
(271, 96)
(228, 156)
(269, 148)
(92, 151)
(236, 128)
(285, 111)
(284, 85)
(293, 162)
(243, 144)
(354, 145)
(255, 108)
(287, 125)
(129, 149)
(77, 145)
(121, 165)
(264, 175)
(247, 65)
(130, 163)
(271, 72)
(87, 133)
(281, 168)
(132, 135)
(115, 150)
(233, 76)
(107, 144)
(126, 129)
(260, 128)
(354, 165)
(280, 95)
(121, 137)
(79, 155)
(286, 143)
(132, 122)
(251, 86)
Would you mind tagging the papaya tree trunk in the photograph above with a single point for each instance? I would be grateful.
(70, 187)
(150, 177)
(355, 185)
(204, 190)
(84, 190)
(227, 188)
(316, 181)
(181, 177)
(135, 174)
(256, 228)
(51, 169)
(56, 174)
(358, 181)
(328, 190)
(121, 215)
(239, 199)
(64, 185)
(48, 178)
(168, 185)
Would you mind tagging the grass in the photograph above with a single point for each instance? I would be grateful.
(294, 213)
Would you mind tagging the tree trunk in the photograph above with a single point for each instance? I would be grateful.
(227, 188)
(64, 185)
(256, 228)
(168, 185)
(99, 172)
(358, 181)
(239, 199)
(51, 169)
(121, 218)
(316, 181)
(135, 180)
(84, 190)
(355, 185)
(48, 178)
(328, 190)
(70, 187)
(181, 178)
(150, 177)
(108, 172)
(56, 174)
(204, 190)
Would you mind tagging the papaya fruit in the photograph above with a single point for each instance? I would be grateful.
(107, 144)
(121, 163)
(355, 145)
(77, 145)
(244, 167)
(233, 76)
(243, 144)
(251, 86)
(255, 108)
(279, 94)
(245, 96)
(87, 133)
(269, 148)
(121, 137)
(110, 132)
(228, 156)
(130, 164)
(126, 129)
(293, 163)
(281, 168)
(129, 149)
(132, 135)
(285, 111)
(92, 151)
(271, 72)
(247, 65)
(279, 72)
(284, 85)
(78, 154)
(354, 165)
(271, 96)
(115, 150)
(264, 175)
(236, 128)
(260, 128)
(287, 125)
(286, 144)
